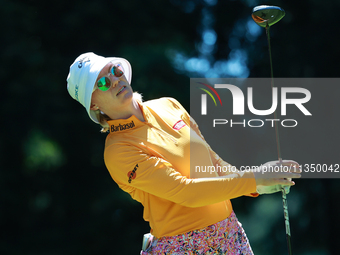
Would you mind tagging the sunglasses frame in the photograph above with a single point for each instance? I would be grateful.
(116, 70)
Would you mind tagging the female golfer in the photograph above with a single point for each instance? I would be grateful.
(147, 153)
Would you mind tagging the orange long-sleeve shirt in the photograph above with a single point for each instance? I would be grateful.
(151, 161)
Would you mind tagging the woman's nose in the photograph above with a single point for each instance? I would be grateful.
(114, 80)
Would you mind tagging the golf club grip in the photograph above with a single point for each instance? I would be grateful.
(286, 216)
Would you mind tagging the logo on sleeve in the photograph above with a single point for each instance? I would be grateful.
(132, 174)
(179, 124)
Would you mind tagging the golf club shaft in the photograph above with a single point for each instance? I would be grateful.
(284, 196)
(272, 83)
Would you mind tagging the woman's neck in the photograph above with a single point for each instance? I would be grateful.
(133, 109)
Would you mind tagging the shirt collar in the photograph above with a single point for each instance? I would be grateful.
(120, 125)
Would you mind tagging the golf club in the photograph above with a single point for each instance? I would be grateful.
(266, 16)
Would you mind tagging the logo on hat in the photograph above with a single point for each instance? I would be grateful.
(83, 60)
(76, 92)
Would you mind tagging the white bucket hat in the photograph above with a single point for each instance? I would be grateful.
(83, 75)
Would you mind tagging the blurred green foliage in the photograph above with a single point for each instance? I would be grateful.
(56, 194)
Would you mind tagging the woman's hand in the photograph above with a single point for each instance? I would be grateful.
(272, 176)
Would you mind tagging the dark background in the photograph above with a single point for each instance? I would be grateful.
(56, 194)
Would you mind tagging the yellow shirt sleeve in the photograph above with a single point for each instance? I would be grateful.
(137, 172)
(216, 160)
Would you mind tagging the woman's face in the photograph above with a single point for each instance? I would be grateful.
(116, 97)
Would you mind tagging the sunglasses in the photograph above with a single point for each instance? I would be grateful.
(105, 82)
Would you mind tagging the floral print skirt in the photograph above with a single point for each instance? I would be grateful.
(224, 237)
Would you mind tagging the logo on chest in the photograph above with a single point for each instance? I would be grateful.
(178, 125)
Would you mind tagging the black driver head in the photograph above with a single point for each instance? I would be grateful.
(266, 14)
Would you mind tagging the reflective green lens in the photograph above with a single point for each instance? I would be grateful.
(104, 83)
